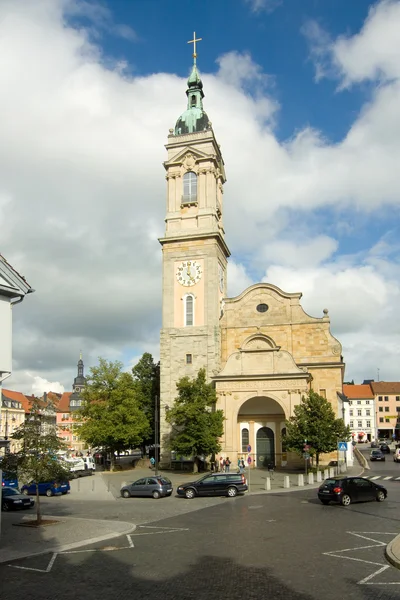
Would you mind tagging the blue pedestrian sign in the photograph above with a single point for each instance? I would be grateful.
(342, 446)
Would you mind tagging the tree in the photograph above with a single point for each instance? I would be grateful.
(111, 416)
(146, 374)
(314, 422)
(196, 424)
(37, 459)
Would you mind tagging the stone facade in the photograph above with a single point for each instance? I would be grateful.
(261, 349)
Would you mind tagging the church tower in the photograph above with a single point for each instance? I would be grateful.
(194, 251)
(78, 385)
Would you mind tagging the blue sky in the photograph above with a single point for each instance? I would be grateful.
(304, 97)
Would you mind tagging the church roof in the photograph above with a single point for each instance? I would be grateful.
(194, 118)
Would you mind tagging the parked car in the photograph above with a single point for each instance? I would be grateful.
(46, 488)
(9, 480)
(156, 487)
(377, 455)
(385, 448)
(11, 499)
(396, 455)
(345, 490)
(215, 484)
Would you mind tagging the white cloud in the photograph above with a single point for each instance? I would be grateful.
(41, 385)
(268, 6)
(82, 189)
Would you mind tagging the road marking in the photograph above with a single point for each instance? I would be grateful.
(397, 479)
(387, 478)
(376, 477)
(54, 556)
(378, 544)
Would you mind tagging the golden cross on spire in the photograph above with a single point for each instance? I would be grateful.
(193, 41)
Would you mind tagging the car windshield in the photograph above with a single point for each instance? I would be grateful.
(375, 452)
(331, 482)
(164, 480)
(10, 492)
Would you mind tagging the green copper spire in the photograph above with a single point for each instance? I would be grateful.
(194, 118)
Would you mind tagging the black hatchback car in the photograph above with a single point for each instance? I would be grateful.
(345, 490)
(217, 484)
(11, 499)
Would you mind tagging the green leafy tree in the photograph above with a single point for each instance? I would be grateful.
(315, 421)
(37, 459)
(146, 374)
(111, 416)
(196, 424)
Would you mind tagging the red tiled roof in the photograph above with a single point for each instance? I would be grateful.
(358, 391)
(63, 405)
(19, 398)
(386, 387)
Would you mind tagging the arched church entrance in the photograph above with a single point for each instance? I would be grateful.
(260, 423)
(265, 447)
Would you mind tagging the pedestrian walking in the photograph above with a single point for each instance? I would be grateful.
(241, 465)
(227, 465)
(152, 462)
(221, 465)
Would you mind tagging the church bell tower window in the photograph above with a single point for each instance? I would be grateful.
(189, 310)
(189, 187)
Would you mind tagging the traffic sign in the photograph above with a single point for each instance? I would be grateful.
(248, 449)
(342, 446)
(249, 460)
(306, 455)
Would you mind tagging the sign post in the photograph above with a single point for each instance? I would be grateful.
(341, 447)
(249, 461)
(306, 454)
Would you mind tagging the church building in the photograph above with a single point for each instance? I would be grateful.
(261, 349)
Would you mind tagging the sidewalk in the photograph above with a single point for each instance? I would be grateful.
(67, 534)
(392, 552)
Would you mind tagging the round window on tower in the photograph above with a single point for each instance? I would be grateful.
(262, 308)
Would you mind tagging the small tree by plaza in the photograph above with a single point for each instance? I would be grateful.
(314, 422)
(146, 374)
(37, 459)
(111, 416)
(196, 424)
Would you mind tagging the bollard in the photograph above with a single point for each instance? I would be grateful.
(92, 484)
(286, 482)
(268, 484)
(79, 484)
(300, 480)
(332, 472)
(326, 473)
(311, 478)
(319, 476)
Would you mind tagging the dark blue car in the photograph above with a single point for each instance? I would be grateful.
(9, 480)
(48, 488)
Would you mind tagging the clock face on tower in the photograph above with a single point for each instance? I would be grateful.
(189, 273)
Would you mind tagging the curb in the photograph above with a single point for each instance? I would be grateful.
(64, 548)
(297, 488)
(390, 555)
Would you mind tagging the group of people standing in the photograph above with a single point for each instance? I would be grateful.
(224, 465)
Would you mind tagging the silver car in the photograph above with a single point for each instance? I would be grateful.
(154, 487)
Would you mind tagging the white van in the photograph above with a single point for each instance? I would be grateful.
(89, 463)
(396, 455)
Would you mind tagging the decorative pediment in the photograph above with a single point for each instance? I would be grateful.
(185, 156)
(259, 343)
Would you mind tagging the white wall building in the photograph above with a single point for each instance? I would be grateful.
(360, 412)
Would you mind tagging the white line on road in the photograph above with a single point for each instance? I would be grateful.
(376, 477)
(387, 478)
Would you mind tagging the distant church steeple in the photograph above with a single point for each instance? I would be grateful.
(78, 385)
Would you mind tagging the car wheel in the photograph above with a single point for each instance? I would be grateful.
(325, 502)
(346, 500)
(380, 496)
(4, 506)
(49, 493)
(232, 492)
(156, 495)
(25, 491)
(190, 493)
(125, 494)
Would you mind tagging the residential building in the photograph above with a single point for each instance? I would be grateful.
(387, 408)
(12, 417)
(13, 289)
(359, 412)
